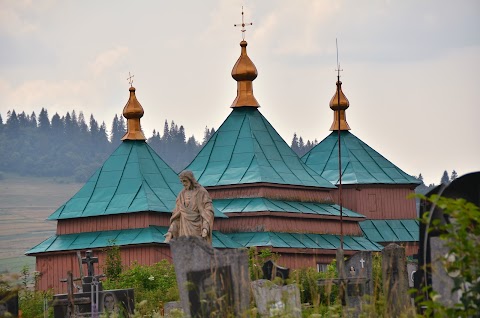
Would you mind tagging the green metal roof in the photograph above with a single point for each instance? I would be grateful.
(152, 234)
(133, 179)
(246, 205)
(360, 163)
(303, 240)
(381, 231)
(247, 149)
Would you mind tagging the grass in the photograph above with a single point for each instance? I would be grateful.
(25, 203)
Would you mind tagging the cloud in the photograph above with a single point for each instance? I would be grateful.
(105, 60)
(13, 23)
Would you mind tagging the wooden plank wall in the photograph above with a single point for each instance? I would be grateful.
(377, 202)
(54, 266)
(113, 222)
(285, 224)
(278, 193)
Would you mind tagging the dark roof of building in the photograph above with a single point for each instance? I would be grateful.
(248, 205)
(303, 240)
(360, 163)
(133, 179)
(246, 149)
(382, 231)
(101, 239)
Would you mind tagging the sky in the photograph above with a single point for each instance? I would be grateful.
(410, 68)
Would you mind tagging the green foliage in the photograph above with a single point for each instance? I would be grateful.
(257, 259)
(462, 235)
(113, 262)
(31, 302)
(154, 284)
(310, 291)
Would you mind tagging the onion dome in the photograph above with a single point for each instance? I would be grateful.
(339, 103)
(133, 111)
(244, 72)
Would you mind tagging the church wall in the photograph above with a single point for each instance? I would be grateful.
(306, 258)
(292, 193)
(285, 224)
(112, 222)
(379, 201)
(54, 266)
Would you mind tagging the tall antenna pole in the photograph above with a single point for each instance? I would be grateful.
(339, 153)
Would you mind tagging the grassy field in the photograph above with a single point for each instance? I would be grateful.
(25, 203)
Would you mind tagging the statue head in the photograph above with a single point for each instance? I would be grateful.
(188, 180)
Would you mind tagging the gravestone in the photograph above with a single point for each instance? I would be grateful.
(274, 300)
(91, 299)
(359, 279)
(271, 270)
(395, 279)
(211, 282)
(412, 268)
(442, 281)
(9, 304)
(359, 265)
(172, 307)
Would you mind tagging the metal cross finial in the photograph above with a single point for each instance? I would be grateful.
(130, 79)
(338, 70)
(243, 26)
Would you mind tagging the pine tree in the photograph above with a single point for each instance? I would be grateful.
(294, 144)
(12, 124)
(33, 120)
(453, 176)
(43, 121)
(116, 134)
(445, 179)
(56, 124)
(420, 178)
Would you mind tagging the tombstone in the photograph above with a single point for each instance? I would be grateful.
(431, 248)
(412, 268)
(211, 282)
(271, 270)
(172, 307)
(442, 281)
(359, 279)
(359, 265)
(395, 279)
(353, 280)
(91, 299)
(273, 300)
(9, 304)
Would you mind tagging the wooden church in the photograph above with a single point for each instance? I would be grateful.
(127, 202)
(264, 195)
(371, 185)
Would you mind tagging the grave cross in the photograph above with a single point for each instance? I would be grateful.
(362, 261)
(90, 260)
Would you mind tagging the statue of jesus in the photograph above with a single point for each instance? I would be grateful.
(193, 213)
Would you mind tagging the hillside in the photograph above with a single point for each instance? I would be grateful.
(25, 203)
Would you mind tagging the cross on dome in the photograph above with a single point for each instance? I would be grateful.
(130, 79)
(243, 25)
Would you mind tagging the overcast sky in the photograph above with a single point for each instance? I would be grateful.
(411, 68)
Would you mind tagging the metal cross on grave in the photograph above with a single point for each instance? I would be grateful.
(90, 260)
(243, 26)
(362, 261)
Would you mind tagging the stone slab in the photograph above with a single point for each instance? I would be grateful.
(211, 282)
(273, 300)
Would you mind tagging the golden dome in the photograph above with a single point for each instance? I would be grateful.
(133, 111)
(244, 72)
(339, 103)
